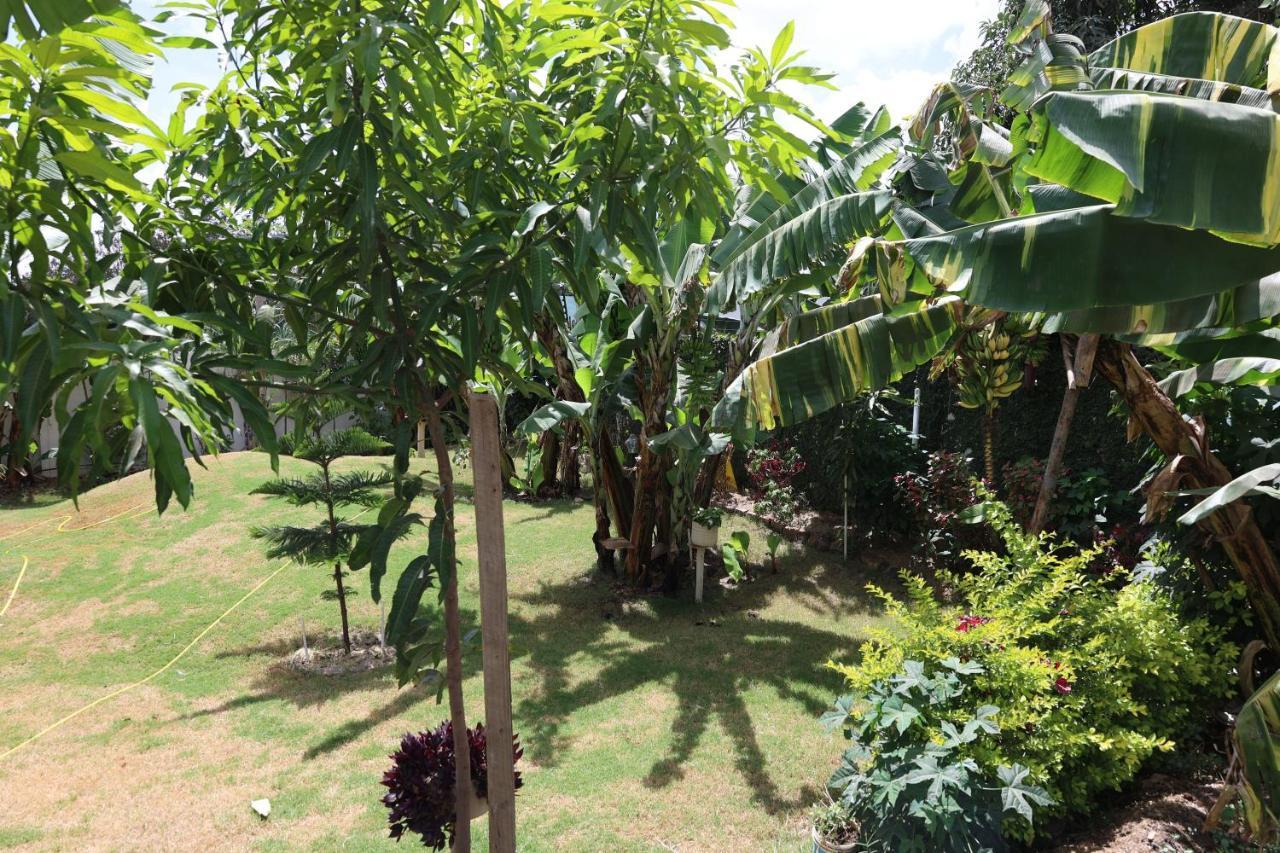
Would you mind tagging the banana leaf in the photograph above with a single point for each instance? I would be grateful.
(1069, 260)
(1154, 324)
(1189, 87)
(1257, 742)
(1203, 45)
(1166, 159)
(1228, 371)
(805, 380)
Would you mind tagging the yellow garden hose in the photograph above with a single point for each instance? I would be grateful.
(22, 571)
(113, 694)
(117, 692)
(135, 510)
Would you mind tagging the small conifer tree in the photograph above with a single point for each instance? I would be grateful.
(331, 539)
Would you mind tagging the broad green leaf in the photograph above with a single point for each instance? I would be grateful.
(551, 415)
(1146, 153)
(1203, 45)
(1246, 370)
(1070, 260)
(797, 383)
(1246, 484)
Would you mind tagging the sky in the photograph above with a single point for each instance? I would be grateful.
(882, 52)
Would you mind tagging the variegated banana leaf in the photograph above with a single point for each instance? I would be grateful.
(1229, 371)
(1165, 159)
(1257, 743)
(1188, 87)
(1204, 345)
(810, 324)
(1246, 485)
(836, 206)
(1160, 323)
(805, 380)
(1198, 45)
(1069, 260)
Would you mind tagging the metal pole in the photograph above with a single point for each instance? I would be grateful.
(915, 418)
(846, 516)
(700, 562)
(306, 652)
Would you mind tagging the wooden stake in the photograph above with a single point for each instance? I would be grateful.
(486, 463)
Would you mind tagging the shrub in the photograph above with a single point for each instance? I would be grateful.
(420, 783)
(909, 778)
(773, 469)
(1093, 679)
(938, 500)
(1085, 509)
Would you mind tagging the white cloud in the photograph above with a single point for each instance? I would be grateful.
(882, 52)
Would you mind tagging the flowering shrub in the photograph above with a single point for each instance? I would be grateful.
(773, 470)
(937, 500)
(1091, 680)
(420, 783)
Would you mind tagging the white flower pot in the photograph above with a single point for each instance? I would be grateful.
(704, 537)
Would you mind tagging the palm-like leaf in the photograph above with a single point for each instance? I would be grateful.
(317, 544)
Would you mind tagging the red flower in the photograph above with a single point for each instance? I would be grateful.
(1062, 685)
(968, 623)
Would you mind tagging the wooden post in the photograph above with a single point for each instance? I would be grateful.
(486, 463)
(422, 438)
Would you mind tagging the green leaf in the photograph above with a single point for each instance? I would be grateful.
(1145, 153)
(1229, 371)
(802, 381)
(552, 415)
(1018, 796)
(1241, 487)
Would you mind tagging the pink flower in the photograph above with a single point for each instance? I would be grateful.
(1062, 685)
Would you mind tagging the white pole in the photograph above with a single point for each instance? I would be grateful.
(382, 625)
(306, 652)
(700, 574)
(846, 516)
(915, 418)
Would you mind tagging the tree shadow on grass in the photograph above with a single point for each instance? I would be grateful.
(276, 683)
(709, 656)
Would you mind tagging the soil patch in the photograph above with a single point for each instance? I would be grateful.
(1162, 813)
(328, 657)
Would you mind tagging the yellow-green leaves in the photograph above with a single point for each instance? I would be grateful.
(1198, 45)
(805, 380)
(1166, 159)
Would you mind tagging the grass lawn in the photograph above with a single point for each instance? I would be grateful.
(647, 725)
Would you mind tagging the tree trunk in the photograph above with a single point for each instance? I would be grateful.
(549, 461)
(453, 645)
(1152, 412)
(570, 476)
(1078, 371)
(342, 607)
(337, 564)
(653, 382)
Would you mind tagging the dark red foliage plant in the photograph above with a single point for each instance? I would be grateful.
(420, 783)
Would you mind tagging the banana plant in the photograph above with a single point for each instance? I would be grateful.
(1132, 213)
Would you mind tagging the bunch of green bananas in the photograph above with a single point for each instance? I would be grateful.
(988, 363)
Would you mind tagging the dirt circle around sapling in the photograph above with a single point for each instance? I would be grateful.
(326, 656)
